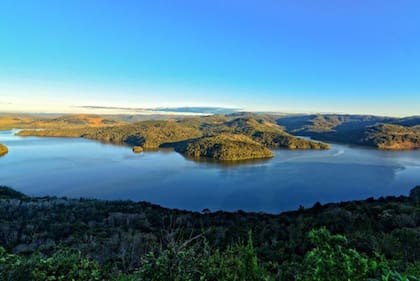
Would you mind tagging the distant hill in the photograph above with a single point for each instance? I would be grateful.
(8, 122)
(260, 128)
(197, 110)
(78, 120)
(390, 136)
(320, 123)
(181, 111)
(380, 132)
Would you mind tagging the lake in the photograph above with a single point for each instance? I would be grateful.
(75, 167)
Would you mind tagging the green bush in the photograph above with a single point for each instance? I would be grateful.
(199, 262)
(64, 265)
(331, 259)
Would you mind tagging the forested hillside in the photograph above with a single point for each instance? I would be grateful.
(224, 147)
(122, 240)
(380, 132)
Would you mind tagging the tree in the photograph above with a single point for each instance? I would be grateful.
(330, 259)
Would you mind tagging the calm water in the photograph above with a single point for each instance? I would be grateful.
(84, 168)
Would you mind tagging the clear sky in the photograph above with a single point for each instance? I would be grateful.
(354, 56)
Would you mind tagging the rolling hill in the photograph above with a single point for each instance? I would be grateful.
(8, 122)
(380, 132)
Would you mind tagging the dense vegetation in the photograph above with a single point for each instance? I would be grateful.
(225, 147)
(380, 132)
(3, 149)
(260, 128)
(67, 239)
(148, 134)
(205, 135)
(388, 136)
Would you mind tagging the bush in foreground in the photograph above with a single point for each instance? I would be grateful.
(194, 260)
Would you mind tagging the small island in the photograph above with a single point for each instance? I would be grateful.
(3, 150)
(225, 147)
(137, 149)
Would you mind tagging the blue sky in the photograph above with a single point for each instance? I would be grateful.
(292, 56)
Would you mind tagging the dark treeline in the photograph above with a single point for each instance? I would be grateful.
(123, 240)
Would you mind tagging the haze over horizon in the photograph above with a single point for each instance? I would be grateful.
(356, 57)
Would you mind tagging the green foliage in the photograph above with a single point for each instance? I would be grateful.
(238, 262)
(200, 262)
(331, 259)
(64, 265)
(171, 264)
(129, 240)
(13, 267)
(180, 261)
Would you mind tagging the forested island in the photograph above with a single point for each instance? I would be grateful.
(224, 147)
(49, 238)
(3, 149)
